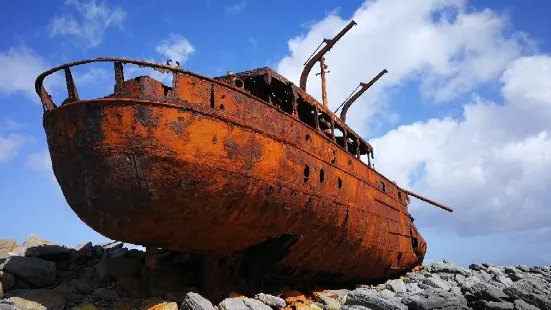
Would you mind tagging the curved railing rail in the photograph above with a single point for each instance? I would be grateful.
(72, 92)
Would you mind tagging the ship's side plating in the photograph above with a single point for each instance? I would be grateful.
(229, 166)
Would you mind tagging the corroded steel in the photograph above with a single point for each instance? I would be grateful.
(439, 205)
(323, 66)
(328, 45)
(246, 166)
(346, 105)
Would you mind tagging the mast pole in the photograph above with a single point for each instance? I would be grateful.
(346, 105)
(329, 44)
(323, 85)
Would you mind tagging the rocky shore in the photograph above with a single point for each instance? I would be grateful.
(39, 274)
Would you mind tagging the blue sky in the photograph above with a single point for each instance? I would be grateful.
(462, 116)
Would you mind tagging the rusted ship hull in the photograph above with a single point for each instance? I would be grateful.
(207, 167)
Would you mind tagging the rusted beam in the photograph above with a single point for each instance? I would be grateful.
(428, 200)
(346, 105)
(47, 103)
(323, 66)
(329, 44)
(71, 88)
(150, 257)
(119, 77)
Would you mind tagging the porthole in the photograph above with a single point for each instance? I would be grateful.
(322, 176)
(306, 173)
(340, 182)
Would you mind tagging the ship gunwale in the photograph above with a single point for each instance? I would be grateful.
(41, 91)
(155, 66)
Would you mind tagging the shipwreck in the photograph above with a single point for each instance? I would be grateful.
(246, 169)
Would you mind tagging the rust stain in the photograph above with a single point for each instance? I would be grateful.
(239, 168)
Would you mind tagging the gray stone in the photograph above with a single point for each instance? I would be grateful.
(255, 304)
(513, 273)
(118, 268)
(372, 300)
(354, 307)
(119, 252)
(85, 247)
(446, 267)
(35, 246)
(242, 304)
(388, 294)
(413, 288)
(36, 271)
(98, 250)
(533, 291)
(485, 291)
(112, 245)
(271, 300)
(460, 279)
(505, 281)
(498, 271)
(396, 285)
(436, 282)
(493, 305)
(20, 283)
(415, 276)
(51, 252)
(434, 299)
(7, 280)
(194, 301)
(522, 305)
(523, 268)
(476, 267)
(485, 276)
(6, 246)
(7, 305)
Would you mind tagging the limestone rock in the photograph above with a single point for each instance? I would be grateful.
(194, 301)
(7, 280)
(7, 246)
(270, 300)
(35, 271)
(372, 300)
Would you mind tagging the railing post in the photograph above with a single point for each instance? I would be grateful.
(71, 88)
(119, 77)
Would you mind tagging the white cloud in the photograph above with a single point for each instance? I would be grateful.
(10, 145)
(10, 141)
(92, 22)
(449, 55)
(20, 66)
(176, 47)
(236, 8)
(491, 165)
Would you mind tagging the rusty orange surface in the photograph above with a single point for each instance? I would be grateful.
(214, 166)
